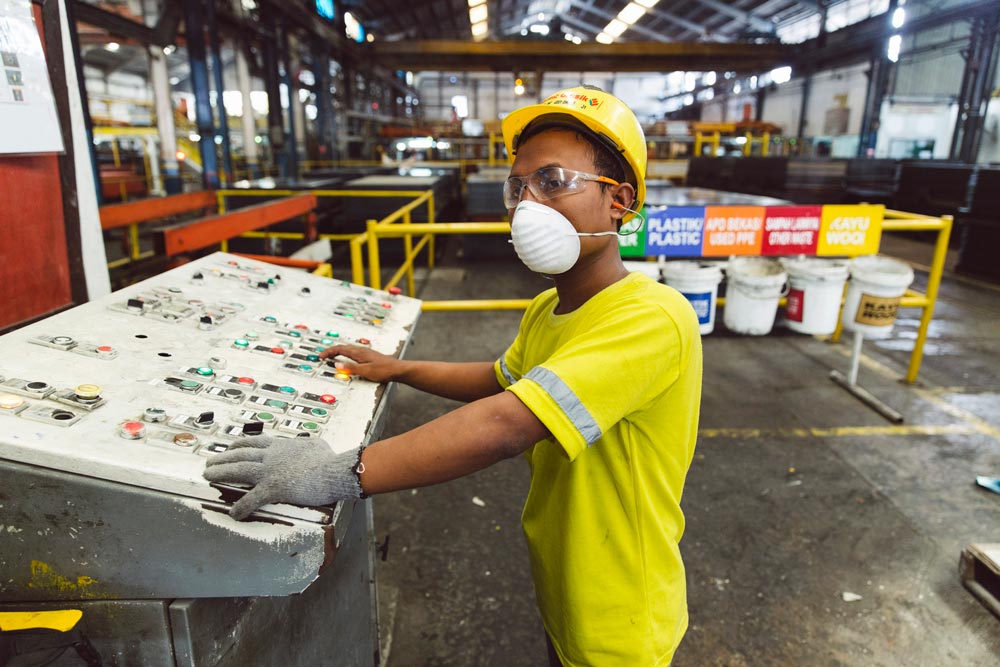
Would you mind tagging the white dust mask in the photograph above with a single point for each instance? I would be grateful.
(545, 239)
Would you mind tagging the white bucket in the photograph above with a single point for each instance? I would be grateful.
(873, 294)
(754, 286)
(699, 283)
(815, 288)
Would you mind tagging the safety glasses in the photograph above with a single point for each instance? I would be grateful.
(549, 183)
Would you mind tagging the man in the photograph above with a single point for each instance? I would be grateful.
(600, 390)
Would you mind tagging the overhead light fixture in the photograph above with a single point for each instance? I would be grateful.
(519, 89)
(112, 46)
(604, 38)
(169, 49)
(615, 28)
(898, 18)
(539, 29)
(478, 13)
(648, 4)
(370, 37)
(631, 13)
(784, 74)
(892, 53)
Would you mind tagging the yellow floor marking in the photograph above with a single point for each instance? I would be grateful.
(930, 395)
(840, 431)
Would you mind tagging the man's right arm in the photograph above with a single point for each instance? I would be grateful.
(466, 382)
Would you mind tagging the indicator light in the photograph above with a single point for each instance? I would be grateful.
(241, 343)
(9, 401)
(205, 371)
(329, 399)
(327, 341)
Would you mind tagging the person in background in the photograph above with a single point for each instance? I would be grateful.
(600, 390)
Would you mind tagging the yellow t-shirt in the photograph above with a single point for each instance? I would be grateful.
(618, 384)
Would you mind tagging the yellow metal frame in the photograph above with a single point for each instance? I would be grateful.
(893, 221)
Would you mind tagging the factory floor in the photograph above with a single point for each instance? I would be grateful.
(819, 534)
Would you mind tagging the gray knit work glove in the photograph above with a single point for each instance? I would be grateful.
(301, 471)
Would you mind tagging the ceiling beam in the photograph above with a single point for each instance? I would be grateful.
(562, 56)
(755, 22)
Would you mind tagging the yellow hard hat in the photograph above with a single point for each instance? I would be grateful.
(606, 116)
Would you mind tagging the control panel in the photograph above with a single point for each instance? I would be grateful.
(142, 386)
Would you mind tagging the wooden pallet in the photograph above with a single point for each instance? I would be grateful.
(979, 568)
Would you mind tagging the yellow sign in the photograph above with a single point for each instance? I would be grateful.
(850, 230)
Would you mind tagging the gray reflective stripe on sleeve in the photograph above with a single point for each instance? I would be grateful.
(567, 401)
(506, 372)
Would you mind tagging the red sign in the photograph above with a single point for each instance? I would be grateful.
(791, 230)
(793, 306)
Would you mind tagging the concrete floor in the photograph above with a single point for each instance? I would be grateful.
(798, 494)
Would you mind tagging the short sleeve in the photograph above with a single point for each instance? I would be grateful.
(599, 376)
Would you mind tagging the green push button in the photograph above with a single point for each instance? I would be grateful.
(285, 389)
(310, 426)
(190, 384)
(205, 371)
(276, 404)
(270, 319)
(305, 367)
(295, 334)
(252, 335)
(312, 357)
(319, 412)
(241, 342)
(327, 341)
(265, 416)
(333, 334)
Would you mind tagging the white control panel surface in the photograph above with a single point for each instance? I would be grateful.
(142, 386)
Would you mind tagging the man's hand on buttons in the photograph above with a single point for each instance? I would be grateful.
(301, 471)
(363, 362)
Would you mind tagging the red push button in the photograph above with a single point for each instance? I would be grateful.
(245, 380)
(105, 348)
(395, 291)
(278, 350)
(364, 341)
(302, 326)
(132, 430)
(329, 399)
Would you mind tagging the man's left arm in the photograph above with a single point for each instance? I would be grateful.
(308, 472)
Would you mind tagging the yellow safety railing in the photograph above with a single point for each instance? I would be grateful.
(893, 221)
(899, 221)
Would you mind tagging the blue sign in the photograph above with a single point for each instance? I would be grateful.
(702, 304)
(675, 231)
